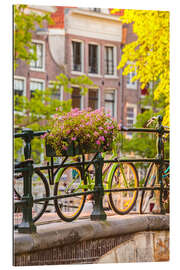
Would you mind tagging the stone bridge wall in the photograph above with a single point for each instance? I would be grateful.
(119, 239)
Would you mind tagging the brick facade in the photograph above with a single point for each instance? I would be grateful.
(124, 96)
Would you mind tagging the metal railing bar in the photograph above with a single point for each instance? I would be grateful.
(22, 202)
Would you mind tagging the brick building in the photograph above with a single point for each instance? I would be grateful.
(84, 41)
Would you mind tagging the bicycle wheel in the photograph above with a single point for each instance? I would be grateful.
(148, 195)
(166, 182)
(40, 189)
(69, 182)
(123, 176)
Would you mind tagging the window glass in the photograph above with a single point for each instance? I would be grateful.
(93, 59)
(109, 60)
(38, 64)
(56, 92)
(109, 102)
(35, 85)
(93, 99)
(77, 55)
(76, 98)
(129, 82)
(19, 87)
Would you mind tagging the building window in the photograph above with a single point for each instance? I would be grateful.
(130, 118)
(93, 59)
(130, 84)
(19, 91)
(57, 92)
(109, 60)
(77, 56)
(76, 98)
(93, 99)
(39, 63)
(19, 87)
(95, 9)
(109, 102)
(36, 85)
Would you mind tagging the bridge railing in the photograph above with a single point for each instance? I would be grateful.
(27, 167)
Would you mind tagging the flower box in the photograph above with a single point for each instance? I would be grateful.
(80, 132)
(74, 150)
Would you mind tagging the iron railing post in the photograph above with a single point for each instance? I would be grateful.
(27, 225)
(160, 156)
(98, 211)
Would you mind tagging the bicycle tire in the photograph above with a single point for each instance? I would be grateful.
(39, 186)
(69, 209)
(119, 204)
(147, 194)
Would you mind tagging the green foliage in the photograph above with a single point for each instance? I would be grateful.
(25, 23)
(143, 144)
(37, 113)
(149, 54)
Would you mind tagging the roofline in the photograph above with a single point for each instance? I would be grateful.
(95, 14)
(50, 9)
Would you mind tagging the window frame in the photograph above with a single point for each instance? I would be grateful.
(82, 57)
(130, 84)
(114, 60)
(114, 91)
(98, 96)
(81, 97)
(134, 106)
(43, 56)
(60, 90)
(20, 78)
(98, 60)
(36, 80)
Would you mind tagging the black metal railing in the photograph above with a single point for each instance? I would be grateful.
(27, 167)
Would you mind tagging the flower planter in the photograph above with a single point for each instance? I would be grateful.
(74, 150)
(80, 132)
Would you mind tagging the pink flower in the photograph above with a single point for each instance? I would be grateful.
(96, 133)
(43, 136)
(101, 138)
(73, 138)
(98, 142)
(68, 131)
(64, 147)
(105, 131)
(101, 128)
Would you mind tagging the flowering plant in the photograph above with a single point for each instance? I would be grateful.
(92, 131)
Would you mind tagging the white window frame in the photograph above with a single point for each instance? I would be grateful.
(131, 85)
(110, 90)
(134, 106)
(36, 80)
(50, 85)
(98, 59)
(82, 97)
(115, 61)
(44, 51)
(21, 78)
(24, 91)
(99, 96)
(82, 57)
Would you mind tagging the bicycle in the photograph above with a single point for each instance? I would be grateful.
(73, 179)
(40, 189)
(151, 180)
(70, 180)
